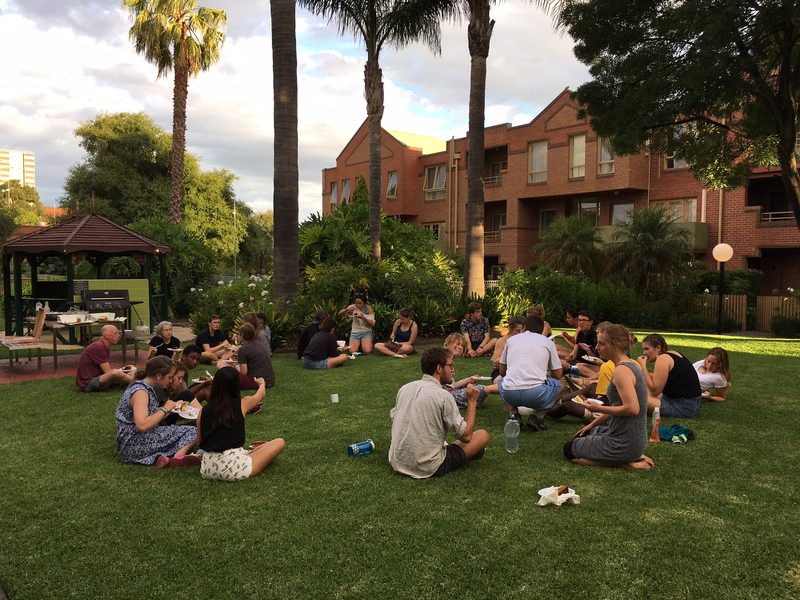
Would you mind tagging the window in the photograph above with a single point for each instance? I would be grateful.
(577, 156)
(334, 196)
(434, 182)
(673, 162)
(546, 218)
(605, 160)
(620, 213)
(537, 162)
(345, 191)
(391, 188)
(437, 229)
(495, 271)
(589, 209)
(683, 211)
(498, 221)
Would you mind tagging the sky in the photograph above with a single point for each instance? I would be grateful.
(66, 61)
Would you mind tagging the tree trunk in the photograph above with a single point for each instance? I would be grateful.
(479, 34)
(373, 91)
(180, 93)
(285, 173)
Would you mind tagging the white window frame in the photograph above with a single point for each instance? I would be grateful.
(577, 156)
(345, 191)
(584, 209)
(334, 192)
(438, 229)
(616, 219)
(673, 163)
(684, 209)
(605, 157)
(391, 186)
(434, 185)
(537, 173)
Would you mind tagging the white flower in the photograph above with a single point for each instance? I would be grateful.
(253, 277)
(199, 289)
(230, 283)
(452, 263)
(220, 282)
(241, 304)
(263, 293)
(790, 290)
(705, 291)
(251, 285)
(220, 302)
(192, 290)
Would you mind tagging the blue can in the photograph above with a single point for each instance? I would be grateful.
(361, 448)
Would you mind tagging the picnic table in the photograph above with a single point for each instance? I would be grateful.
(84, 334)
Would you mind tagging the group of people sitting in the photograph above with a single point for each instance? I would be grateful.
(589, 375)
(611, 391)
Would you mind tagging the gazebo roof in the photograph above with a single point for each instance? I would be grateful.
(85, 233)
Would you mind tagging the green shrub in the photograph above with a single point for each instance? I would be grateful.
(785, 326)
(435, 318)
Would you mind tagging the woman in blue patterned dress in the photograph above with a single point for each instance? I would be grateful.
(142, 438)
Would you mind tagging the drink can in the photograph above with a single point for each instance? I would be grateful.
(361, 448)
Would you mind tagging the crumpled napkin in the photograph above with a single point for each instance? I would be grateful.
(550, 496)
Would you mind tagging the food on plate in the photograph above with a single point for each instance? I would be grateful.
(562, 489)
(204, 378)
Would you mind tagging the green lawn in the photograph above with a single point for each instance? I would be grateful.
(716, 518)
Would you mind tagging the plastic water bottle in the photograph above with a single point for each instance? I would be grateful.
(655, 438)
(512, 435)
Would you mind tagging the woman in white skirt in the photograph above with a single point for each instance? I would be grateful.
(220, 431)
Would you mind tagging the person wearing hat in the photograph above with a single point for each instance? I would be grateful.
(309, 332)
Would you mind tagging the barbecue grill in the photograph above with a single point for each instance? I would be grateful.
(105, 300)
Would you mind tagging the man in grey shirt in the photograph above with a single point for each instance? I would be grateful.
(423, 415)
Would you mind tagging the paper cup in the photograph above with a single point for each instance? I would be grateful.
(335, 398)
(340, 343)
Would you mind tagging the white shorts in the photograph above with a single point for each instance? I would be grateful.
(234, 464)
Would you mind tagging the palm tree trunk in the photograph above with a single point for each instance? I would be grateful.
(285, 178)
(180, 93)
(479, 34)
(373, 90)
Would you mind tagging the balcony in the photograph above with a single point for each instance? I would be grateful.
(777, 216)
(698, 234)
(492, 237)
(493, 181)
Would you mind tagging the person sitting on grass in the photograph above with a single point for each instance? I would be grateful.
(674, 385)
(163, 342)
(190, 357)
(585, 342)
(322, 351)
(477, 332)
(94, 372)
(714, 373)
(309, 332)
(455, 343)
(618, 437)
(177, 392)
(458, 389)
(214, 342)
(142, 436)
(254, 359)
(538, 310)
(404, 333)
(363, 321)
(221, 434)
(565, 352)
(515, 325)
(524, 366)
(423, 415)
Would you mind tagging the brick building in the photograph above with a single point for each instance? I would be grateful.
(556, 166)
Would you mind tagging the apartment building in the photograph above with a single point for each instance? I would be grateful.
(556, 166)
(18, 165)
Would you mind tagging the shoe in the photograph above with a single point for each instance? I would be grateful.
(514, 415)
(536, 423)
(256, 409)
(161, 461)
(187, 460)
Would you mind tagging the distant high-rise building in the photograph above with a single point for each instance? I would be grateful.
(18, 165)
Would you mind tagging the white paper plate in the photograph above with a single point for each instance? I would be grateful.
(190, 412)
(484, 378)
(547, 490)
(593, 401)
(593, 359)
(198, 380)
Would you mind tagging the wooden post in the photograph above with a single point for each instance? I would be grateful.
(8, 311)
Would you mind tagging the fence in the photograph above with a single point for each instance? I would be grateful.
(733, 306)
(771, 306)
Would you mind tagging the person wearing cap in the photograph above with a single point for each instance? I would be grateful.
(309, 332)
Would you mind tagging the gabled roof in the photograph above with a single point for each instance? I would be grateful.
(85, 233)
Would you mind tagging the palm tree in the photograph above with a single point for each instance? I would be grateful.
(376, 23)
(571, 245)
(179, 36)
(649, 249)
(285, 176)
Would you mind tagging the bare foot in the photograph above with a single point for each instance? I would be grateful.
(639, 464)
(647, 459)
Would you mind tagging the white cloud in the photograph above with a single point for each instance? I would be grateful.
(73, 60)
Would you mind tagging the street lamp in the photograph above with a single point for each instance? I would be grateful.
(722, 253)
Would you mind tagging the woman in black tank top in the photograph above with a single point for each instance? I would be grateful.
(673, 386)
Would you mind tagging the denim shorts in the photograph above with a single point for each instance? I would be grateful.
(364, 335)
(541, 397)
(685, 408)
(310, 363)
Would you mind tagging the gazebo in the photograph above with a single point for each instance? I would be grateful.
(89, 237)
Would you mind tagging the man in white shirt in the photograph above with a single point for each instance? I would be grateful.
(423, 415)
(524, 365)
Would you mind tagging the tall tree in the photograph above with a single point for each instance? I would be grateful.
(571, 245)
(179, 36)
(285, 171)
(379, 22)
(716, 81)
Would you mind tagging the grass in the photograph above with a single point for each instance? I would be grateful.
(716, 518)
